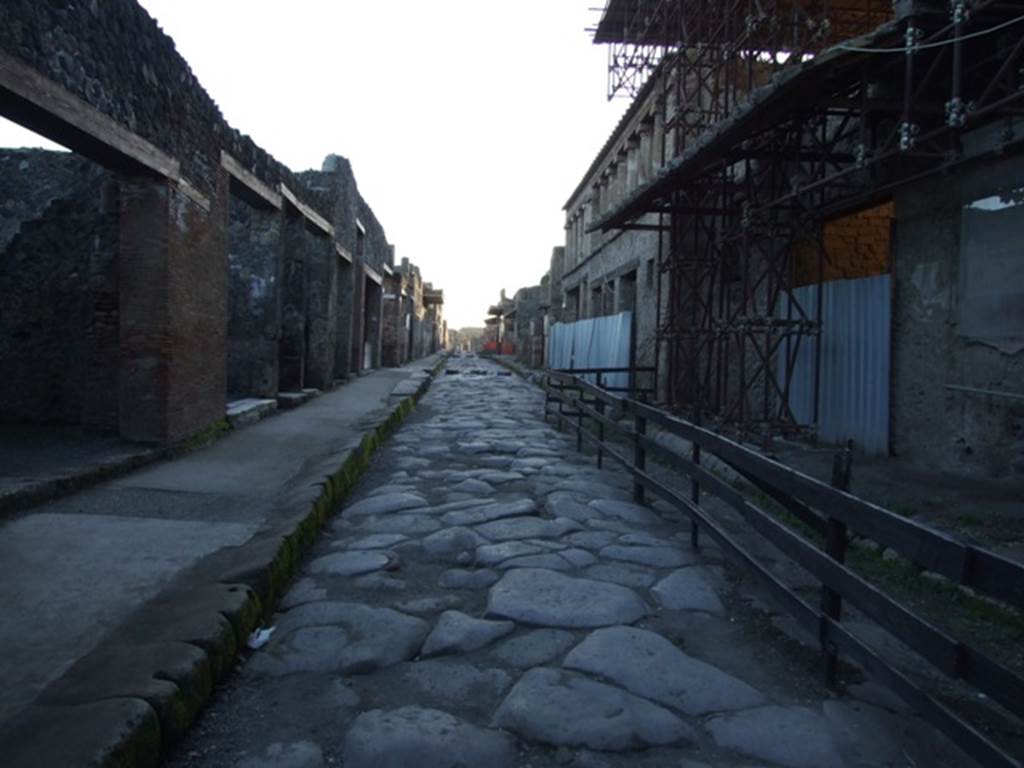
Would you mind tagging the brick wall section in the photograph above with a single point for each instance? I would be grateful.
(198, 313)
(857, 245)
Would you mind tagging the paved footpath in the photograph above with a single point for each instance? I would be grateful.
(489, 598)
(77, 567)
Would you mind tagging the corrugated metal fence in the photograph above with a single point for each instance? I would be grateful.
(856, 322)
(600, 342)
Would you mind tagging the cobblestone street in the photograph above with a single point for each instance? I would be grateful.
(487, 597)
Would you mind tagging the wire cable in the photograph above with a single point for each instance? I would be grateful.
(939, 44)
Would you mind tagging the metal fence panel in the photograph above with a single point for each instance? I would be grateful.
(856, 321)
(598, 342)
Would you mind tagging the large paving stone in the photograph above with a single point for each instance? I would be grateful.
(349, 638)
(384, 503)
(300, 754)
(352, 563)
(546, 598)
(688, 589)
(488, 512)
(407, 524)
(459, 578)
(455, 632)
(622, 573)
(499, 478)
(376, 541)
(474, 487)
(560, 504)
(527, 528)
(588, 490)
(626, 511)
(449, 542)
(795, 737)
(649, 665)
(562, 709)
(658, 557)
(547, 560)
(492, 554)
(536, 647)
(454, 683)
(305, 590)
(425, 738)
(594, 540)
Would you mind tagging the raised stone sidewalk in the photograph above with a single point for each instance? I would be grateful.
(488, 598)
(123, 605)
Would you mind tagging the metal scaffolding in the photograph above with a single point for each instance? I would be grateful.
(777, 117)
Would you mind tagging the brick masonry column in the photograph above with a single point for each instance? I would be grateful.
(173, 311)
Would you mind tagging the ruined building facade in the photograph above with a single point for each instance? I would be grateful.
(169, 264)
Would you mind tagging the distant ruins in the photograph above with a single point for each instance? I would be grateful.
(169, 264)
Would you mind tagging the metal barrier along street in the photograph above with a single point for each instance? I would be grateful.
(831, 511)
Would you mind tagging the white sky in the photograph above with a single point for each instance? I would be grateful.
(468, 122)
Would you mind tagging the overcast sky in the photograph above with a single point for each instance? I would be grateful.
(468, 122)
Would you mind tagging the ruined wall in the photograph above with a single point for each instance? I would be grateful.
(58, 279)
(193, 323)
(932, 425)
(255, 262)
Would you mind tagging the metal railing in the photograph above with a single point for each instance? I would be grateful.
(831, 512)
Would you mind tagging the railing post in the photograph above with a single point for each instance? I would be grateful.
(695, 495)
(600, 426)
(835, 547)
(547, 396)
(561, 405)
(639, 457)
(579, 420)
(695, 487)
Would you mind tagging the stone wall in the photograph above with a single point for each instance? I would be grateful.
(58, 280)
(255, 263)
(211, 295)
(931, 425)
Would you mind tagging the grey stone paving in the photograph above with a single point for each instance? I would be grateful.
(487, 597)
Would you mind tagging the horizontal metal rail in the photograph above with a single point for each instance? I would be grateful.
(819, 506)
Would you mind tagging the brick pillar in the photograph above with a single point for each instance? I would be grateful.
(173, 311)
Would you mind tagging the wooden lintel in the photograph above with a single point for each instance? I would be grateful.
(250, 181)
(373, 274)
(194, 194)
(342, 252)
(60, 115)
(310, 215)
(388, 270)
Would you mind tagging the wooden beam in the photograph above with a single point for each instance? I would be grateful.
(342, 252)
(58, 114)
(373, 274)
(250, 181)
(310, 215)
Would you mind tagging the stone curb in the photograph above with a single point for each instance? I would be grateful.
(125, 702)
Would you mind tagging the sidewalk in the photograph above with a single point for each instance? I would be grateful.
(78, 567)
